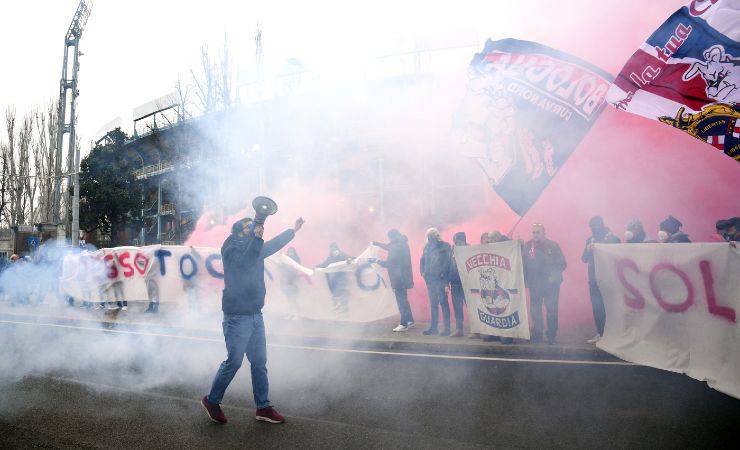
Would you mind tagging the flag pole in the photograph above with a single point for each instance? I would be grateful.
(516, 224)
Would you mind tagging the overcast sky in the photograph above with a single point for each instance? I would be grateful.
(134, 50)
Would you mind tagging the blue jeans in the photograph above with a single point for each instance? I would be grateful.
(244, 335)
(437, 299)
(458, 300)
(402, 299)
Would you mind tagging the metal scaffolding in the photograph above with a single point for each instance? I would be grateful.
(68, 93)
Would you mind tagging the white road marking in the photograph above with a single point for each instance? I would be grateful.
(336, 350)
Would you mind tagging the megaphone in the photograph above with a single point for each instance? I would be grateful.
(263, 207)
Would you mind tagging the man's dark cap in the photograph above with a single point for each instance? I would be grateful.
(728, 223)
(460, 237)
(394, 234)
(596, 222)
(670, 225)
(238, 226)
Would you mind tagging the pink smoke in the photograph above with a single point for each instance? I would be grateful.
(627, 167)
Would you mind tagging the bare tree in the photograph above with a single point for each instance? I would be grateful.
(15, 157)
(213, 83)
(5, 182)
(44, 161)
(9, 175)
(22, 184)
(206, 82)
(183, 99)
(225, 86)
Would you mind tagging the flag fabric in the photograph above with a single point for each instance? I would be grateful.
(674, 307)
(192, 278)
(493, 281)
(687, 74)
(526, 108)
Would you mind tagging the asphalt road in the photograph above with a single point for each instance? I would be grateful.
(72, 388)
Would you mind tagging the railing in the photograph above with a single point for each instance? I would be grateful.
(153, 169)
(167, 209)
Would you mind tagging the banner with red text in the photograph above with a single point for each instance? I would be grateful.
(493, 280)
(192, 277)
(674, 307)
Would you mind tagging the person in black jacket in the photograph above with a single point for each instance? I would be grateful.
(670, 232)
(544, 265)
(729, 229)
(400, 275)
(338, 281)
(435, 269)
(600, 234)
(635, 233)
(243, 255)
(456, 289)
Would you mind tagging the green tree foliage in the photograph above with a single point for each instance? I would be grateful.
(110, 196)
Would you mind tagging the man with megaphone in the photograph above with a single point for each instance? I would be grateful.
(243, 255)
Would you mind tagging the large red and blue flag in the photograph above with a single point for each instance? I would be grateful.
(687, 74)
(527, 107)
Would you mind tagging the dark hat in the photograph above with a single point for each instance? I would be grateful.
(238, 226)
(394, 234)
(728, 223)
(460, 237)
(596, 222)
(670, 225)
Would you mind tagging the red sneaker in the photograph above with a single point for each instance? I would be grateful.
(269, 415)
(213, 410)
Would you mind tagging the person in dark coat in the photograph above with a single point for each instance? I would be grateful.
(338, 281)
(243, 255)
(398, 264)
(635, 233)
(670, 232)
(456, 289)
(435, 269)
(729, 229)
(600, 234)
(544, 265)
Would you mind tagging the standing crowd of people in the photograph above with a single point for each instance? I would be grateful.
(30, 279)
(544, 264)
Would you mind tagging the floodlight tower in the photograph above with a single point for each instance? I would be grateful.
(66, 117)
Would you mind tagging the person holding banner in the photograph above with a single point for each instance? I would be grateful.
(544, 265)
(635, 233)
(338, 281)
(670, 232)
(600, 234)
(435, 269)
(456, 289)
(243, 256)
(401, 277)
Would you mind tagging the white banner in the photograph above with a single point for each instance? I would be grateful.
(674, 307)
(193, 277)
(493, 280)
